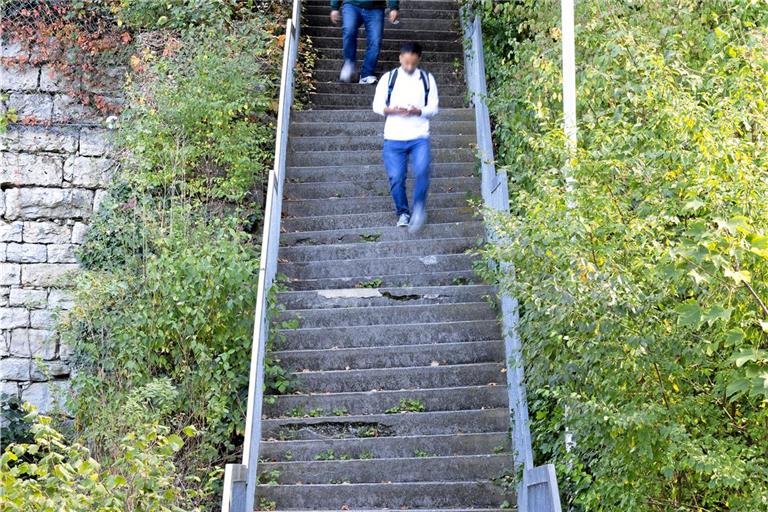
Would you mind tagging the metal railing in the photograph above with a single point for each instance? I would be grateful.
(538, 490)
(240, 479)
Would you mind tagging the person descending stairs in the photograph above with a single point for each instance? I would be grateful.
(393, 341)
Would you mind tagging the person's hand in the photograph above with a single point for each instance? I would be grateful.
(413, 111)
(335, 17)
(396, 111)
(394, 16)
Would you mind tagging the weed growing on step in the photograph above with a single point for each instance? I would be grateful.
(341, 411)
(365, 455)
(419, 454)
(271, 477)
(265, 504)
(373, 283)
(326, 455)
(372, 237)
(407, 405)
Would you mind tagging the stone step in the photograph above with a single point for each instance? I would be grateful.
(362, 204)
(393, 356)
(428, 60)
(365, 100)
(369, 142)
(401, 314)
(367, 250)
(433, 278)
(359, 90)
(359, 190)
(416, 377)
(372, 220)
(413, 495)
(387, 425)
(371, 157)
(360, 297)
(412, 469)
(395, 42)
(450, 83)
(387, 335)
(318, 24)
(384, 447)
(451, 67)
(386, 233)
(437, 128)
(412, 6)
(369, 172)
(376, 402)
(379, 267)
(345, 116)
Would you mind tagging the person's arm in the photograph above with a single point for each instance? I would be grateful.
(430, 109)
(380, 98)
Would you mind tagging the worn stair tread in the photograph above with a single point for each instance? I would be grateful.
(385, 233)
(418, 248)
(394, 334)
(427, 494)
(382, 295)
(480, 467)
(455, 398)
(373, 221)
(387, 425)
(438, 444)
(350, 115)
(298, 208)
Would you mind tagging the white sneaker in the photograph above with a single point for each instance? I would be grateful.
(368, 80)
(418, 219)
(403, 220)
(347, 70)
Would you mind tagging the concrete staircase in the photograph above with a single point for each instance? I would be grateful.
(397, 356)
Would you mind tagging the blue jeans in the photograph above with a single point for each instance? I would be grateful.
(395, 155)
(373, 19)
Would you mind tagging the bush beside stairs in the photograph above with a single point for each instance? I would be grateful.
(397, 355)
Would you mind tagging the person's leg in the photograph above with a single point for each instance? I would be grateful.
(374, 30)
(421, 159)
(351, 19)
(395, 158)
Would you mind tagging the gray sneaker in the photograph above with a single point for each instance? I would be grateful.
(347, 70)
(403, 220)
(368, 80)
(418, 219)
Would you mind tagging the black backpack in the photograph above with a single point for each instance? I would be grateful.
(393, 77)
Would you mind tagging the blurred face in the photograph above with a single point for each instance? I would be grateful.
(409, 62)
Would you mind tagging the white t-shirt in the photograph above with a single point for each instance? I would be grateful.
(408, 90)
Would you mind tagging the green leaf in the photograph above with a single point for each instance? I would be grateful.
(739, 277)
(750, 355)
(689, 314)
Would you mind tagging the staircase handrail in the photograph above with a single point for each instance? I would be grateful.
(240, 480)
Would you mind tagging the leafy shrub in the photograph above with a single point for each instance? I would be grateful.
(13, 428)
(184, 14)
(51, 474)
(643, 305)
(200, 123)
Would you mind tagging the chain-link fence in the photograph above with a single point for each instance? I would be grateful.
(78, 44)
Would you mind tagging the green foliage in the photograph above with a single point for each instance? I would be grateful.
(51, 474)
(184, 14)
(643, 305)
(407, 405)
(199, 124)
(13, 428)
(169, 335)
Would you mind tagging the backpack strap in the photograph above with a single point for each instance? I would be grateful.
(425, 79)
(393, 77)
(391, 84)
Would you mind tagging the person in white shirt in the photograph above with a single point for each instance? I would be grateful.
(407, 97)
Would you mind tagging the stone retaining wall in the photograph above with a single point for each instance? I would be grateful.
(54, 168)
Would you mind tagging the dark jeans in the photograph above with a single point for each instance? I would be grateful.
(373, 19)
(395, 155)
